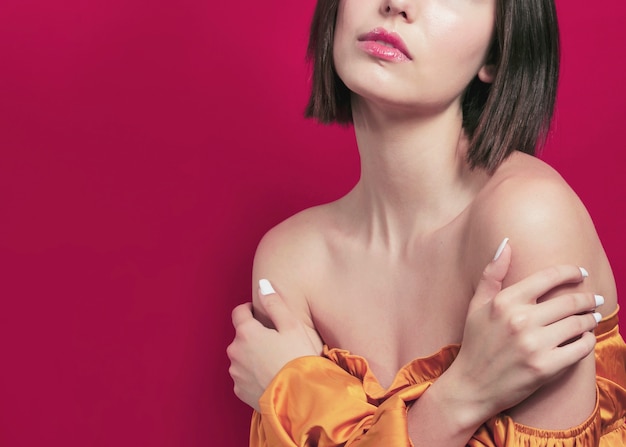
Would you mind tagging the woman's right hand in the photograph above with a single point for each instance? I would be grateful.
(513, 344)
(258, 353)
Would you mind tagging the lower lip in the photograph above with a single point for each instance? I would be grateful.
(382, 51)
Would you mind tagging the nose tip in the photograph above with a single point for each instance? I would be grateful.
(397, 7)
(390, 11)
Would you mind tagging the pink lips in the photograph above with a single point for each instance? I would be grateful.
(382, 44)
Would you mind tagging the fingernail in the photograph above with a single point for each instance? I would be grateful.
(584, 272)
(500, 248)
(599, 300)
(266, 287)
(597, 316)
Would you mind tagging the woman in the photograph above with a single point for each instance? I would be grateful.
(420, 345)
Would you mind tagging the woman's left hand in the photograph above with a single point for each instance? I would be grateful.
(258, 353)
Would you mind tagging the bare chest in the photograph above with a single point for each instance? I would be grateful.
(391, 312)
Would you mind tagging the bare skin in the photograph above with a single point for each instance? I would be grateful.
(392, 304)
(512, 371)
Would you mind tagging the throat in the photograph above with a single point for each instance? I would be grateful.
(400, 225)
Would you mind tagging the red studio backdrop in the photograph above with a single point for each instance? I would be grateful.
(145, 147)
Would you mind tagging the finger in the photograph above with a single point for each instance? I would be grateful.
(563, 306)
(568, 329)
(265, 287)
(491, 280)
(533, 287)
(241, 314)
(566, 355)
(281, 316)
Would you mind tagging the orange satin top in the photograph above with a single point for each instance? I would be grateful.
(335, 400)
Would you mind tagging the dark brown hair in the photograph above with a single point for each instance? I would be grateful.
(513, 113)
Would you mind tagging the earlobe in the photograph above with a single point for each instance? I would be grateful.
(487, 73)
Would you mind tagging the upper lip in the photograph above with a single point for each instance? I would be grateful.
(392, 38)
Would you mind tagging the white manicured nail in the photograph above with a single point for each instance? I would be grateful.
(584, 272)
(597, 316)
(599, 300)
(266, 287)
(500, 248)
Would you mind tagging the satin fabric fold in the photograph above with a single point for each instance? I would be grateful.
(335, 400)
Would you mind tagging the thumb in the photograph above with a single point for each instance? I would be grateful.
(242, 314)
(493, 275)
(275, 307)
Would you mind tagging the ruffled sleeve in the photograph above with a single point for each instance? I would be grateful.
(311, 402)
(328, 408)
(502, 431)
(317, 401)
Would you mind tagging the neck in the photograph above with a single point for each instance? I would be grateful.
(414, 174)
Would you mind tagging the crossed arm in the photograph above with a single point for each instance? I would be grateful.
(450, 410)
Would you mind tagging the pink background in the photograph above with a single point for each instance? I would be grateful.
(145, 148)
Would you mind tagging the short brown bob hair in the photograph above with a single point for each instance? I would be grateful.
(513, 113)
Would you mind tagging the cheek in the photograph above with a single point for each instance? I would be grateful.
(467, 48)
(472, 51)
(346, 14)
(464, 39)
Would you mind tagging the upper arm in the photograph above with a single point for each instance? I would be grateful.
(283, 258)
(548, 225)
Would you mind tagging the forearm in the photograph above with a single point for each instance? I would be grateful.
(444, 416)
(435, 421)
(449, 413)
(565, 402)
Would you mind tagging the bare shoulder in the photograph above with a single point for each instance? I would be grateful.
(529, 202)
(292, 244)
(290, 255)
(525, 195)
